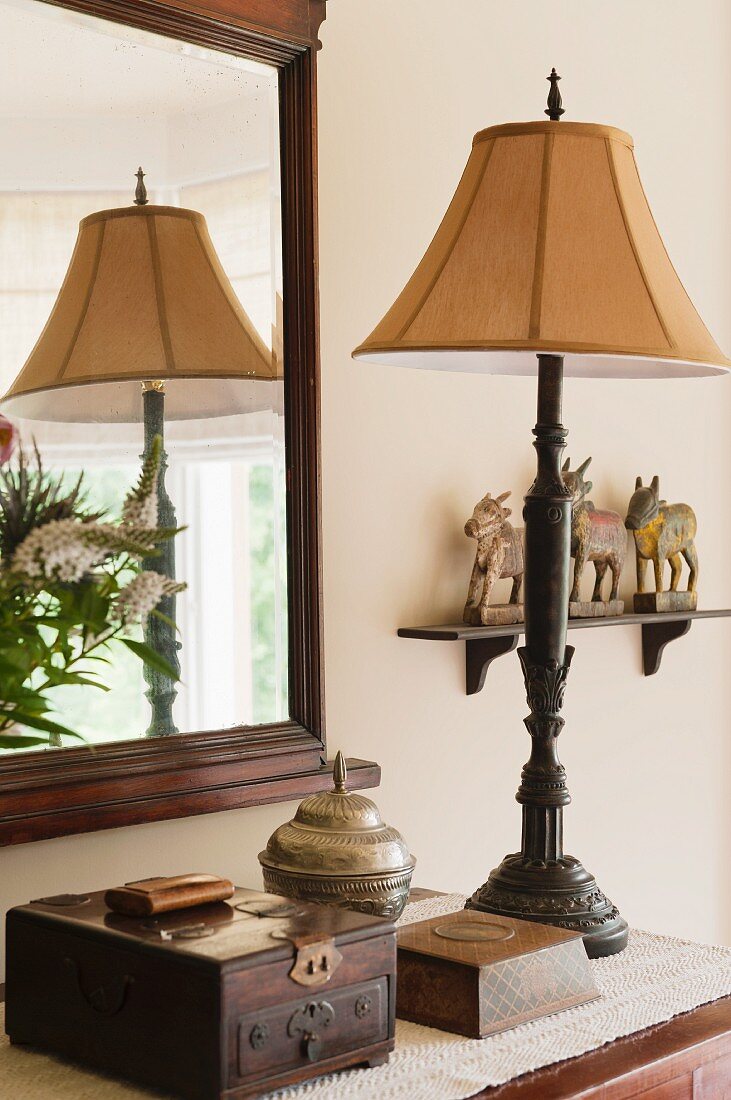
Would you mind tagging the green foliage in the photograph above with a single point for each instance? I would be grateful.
(55, 633)
(150, 657)
(30, 498)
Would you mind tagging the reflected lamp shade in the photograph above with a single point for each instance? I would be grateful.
(145, 299)
(548, 246)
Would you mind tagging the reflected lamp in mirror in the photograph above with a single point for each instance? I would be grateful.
(548, 259)
(147, 327)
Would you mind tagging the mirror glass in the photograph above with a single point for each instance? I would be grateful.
(158, 320)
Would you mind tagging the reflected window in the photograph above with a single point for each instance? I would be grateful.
(205, 128)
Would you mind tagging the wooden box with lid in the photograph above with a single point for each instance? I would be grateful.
(231, 999)
(476, 974)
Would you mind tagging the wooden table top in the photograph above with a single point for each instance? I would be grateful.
(687, 1058)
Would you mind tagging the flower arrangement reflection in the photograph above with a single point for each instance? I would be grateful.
(73, 586)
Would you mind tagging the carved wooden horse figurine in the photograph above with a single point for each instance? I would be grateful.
(595, 536)
(499, 554)
(662, 533)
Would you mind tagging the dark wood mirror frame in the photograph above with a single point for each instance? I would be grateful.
(54, 793)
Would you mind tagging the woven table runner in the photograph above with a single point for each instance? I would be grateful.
(654, 979)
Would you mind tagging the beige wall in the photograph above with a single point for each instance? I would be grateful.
(406, 454)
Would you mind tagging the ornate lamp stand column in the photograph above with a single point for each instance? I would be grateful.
(159, 634)
(540, 882)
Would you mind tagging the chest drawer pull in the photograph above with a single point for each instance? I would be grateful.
(309, 1023)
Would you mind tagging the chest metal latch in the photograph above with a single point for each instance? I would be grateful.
(315, 963)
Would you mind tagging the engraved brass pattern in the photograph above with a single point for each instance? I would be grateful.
(379, 895)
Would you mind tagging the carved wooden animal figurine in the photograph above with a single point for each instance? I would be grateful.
(597, 536)
(662, 532)
(499, 554)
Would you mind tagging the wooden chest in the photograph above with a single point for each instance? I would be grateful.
(226, 1000)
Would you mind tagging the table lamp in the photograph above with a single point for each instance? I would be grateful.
(548, 257)
(147, 327)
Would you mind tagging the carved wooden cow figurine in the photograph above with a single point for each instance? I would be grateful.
(662, 533)
(499, 554)
(595, 536)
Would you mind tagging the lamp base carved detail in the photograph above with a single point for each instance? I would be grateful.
(559, 892)
(540, 883)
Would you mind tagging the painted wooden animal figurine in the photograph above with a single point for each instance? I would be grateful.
(597, 536)
(662, 532)
(499, 554)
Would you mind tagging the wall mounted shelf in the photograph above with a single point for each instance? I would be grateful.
(486, 643)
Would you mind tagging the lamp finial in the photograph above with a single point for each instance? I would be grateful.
(554, 110)
(140, 190)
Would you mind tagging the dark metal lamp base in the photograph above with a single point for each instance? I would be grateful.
(540, 883)
(560, 892)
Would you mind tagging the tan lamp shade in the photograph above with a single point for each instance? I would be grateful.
(548, 246)
(145, 298)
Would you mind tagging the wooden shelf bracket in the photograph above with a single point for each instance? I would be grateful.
(480, 653)
(655, 636)
(484, 644)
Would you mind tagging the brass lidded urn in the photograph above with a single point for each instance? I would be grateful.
(337, 850)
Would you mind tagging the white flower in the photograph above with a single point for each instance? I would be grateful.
(140, 512)
(59, 550)
(137, 542)
(143, 593)
(66, 549)
(140, 504)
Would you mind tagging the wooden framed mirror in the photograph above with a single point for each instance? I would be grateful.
(220, 56)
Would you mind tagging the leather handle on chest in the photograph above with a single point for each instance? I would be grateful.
(105, 1000)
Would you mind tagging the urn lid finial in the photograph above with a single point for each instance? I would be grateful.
(340, 773)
